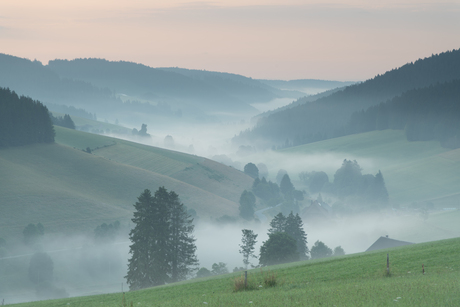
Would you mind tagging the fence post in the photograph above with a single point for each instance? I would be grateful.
(388, 264)
(245, 279)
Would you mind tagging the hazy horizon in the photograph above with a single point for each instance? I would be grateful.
(340, 40)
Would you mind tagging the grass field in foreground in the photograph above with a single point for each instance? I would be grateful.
(352, 280)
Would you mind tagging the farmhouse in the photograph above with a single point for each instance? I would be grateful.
(385, 242)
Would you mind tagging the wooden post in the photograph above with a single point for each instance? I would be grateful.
(423, 268)
(245, 279)
(388, 264)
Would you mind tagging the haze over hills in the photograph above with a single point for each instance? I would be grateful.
(72, 191)
(323, 118)
(83, 179)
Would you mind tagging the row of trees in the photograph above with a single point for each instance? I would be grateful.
(23, 121)
(269, 192)
(430, 113)
(65, 121)
(287, 242)
(350, 183)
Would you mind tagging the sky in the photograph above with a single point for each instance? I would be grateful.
(272, 39)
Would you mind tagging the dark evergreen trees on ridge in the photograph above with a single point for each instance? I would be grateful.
(23, 121)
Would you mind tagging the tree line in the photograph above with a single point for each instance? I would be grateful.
(430, 113)
(23, 120)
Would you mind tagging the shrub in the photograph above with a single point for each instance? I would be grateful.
(270, 279)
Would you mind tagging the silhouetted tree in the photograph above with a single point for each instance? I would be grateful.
(338, 251)
(294, 228)
(247, 247)
(33, 233)
(163, 248)
(219, 268)
(106, 233)
(251, 169)
(41, 268)
(286, 186)
(247, 205)
(347, 178)
(278, 224)
(320, 250)
(203, 272)
(279, 248)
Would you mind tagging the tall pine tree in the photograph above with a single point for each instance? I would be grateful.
(292, 225)
(163, 248)
(294, 228)
(182, 254)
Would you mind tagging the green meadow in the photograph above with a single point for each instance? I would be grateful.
(351, 280)
(413, 171)
(69, 190)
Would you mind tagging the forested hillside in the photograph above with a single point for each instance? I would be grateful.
(23, 121)
(241, 87)
(325, 117)
(430, 113)
(36, 80)
(206, 89)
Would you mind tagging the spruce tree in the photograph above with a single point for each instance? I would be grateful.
(294, 228)
(183, 258)
(163, 248)
(247, 205)
(292, 225)
(278, 224)
(142, 266)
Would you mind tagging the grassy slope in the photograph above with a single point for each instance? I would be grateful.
(413, 171)
(353, 280)
(69, 190)
(205, 174)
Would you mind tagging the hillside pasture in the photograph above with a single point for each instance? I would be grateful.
(69, 190)
(351, 280)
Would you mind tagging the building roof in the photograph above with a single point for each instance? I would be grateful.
(385, 242)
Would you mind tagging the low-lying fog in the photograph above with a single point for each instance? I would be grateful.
(82, 267)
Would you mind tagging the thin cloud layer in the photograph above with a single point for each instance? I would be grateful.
(285, 40)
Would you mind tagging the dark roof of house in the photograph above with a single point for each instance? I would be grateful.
(385, 242)
(315, 211)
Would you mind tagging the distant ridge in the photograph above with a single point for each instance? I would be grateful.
(323, 118)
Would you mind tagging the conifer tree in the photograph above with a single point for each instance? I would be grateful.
(163, 248)
(278, 224)
(294, 228)
(247, 205)
(183, 258)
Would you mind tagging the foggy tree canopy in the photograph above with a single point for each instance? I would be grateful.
(247, 205)
(279, 248)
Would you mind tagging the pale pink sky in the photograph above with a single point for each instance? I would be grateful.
(275, 39)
